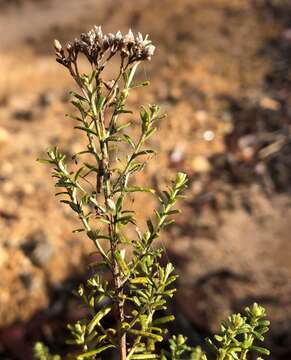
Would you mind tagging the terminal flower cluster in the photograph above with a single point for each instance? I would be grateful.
(94, 45)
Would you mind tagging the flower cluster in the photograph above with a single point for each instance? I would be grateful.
(94, 44)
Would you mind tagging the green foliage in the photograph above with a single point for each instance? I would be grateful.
(238, 335)
(236, 339)
(41, 352)
(179, 350)
(97, 190)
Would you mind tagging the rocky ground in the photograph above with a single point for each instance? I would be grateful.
(222, 74)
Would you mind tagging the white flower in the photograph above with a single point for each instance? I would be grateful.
(149, 51)
(98, 32)
(129, 37)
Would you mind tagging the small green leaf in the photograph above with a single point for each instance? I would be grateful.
(111, 204)
(150, 132)
(181, 179)
(87, 130)
(143, 152)
(260, 350)
(138, 189)
(96, 319)
(150, 225)
(164, 320)
(77, 96)
(140, 84)
(139, 280)
(144, 356)
(78, 230)
(122, 264)
(89, 354)
(129, 140)
(78, 173)
(146, 334)
(123, 111)
(124, 126)
(126, 219)
(100, 103)
(43, 161)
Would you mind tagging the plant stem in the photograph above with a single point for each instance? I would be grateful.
(119, 300)
(114, 241)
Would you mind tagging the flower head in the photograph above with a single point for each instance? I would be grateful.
(94, 44)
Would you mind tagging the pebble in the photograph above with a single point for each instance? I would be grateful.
(208, 135)
(177, 154)
(6, 168)
(175, 94)
(46, 99)
(196, 187)
(8, 187)
(270, 104)
(42, 253)
(201, 116)
(3, 256)
(200, 164)
(23, 115)
(26, 280)
(38, 248)
(4, 136)
(28, 189)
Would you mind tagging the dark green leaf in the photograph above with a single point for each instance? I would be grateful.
(87, 130)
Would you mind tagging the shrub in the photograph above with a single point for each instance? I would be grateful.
(97, 191)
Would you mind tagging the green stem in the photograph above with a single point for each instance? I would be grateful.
(104, 178)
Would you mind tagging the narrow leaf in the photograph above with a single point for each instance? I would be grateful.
(146, 334)
(139, 189)
(94, 352)
(87, 130)
(144, 356)
(96, 319)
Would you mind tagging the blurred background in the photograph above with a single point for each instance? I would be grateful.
(222, 73)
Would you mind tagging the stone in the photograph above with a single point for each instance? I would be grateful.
(46, 99)
(177, 154)
(38, 248)
(6, 168)
(200, 164)
(8, 187)
(3, 256)
(23, 115)
(4, 136)
(28, 188)
(270, 104)
(201, 116)
(208, 135)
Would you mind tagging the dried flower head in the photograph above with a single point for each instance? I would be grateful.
(94, 44)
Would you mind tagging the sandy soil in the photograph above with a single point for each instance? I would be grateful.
(221, 73)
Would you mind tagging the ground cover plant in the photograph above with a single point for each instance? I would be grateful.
(128, 282)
